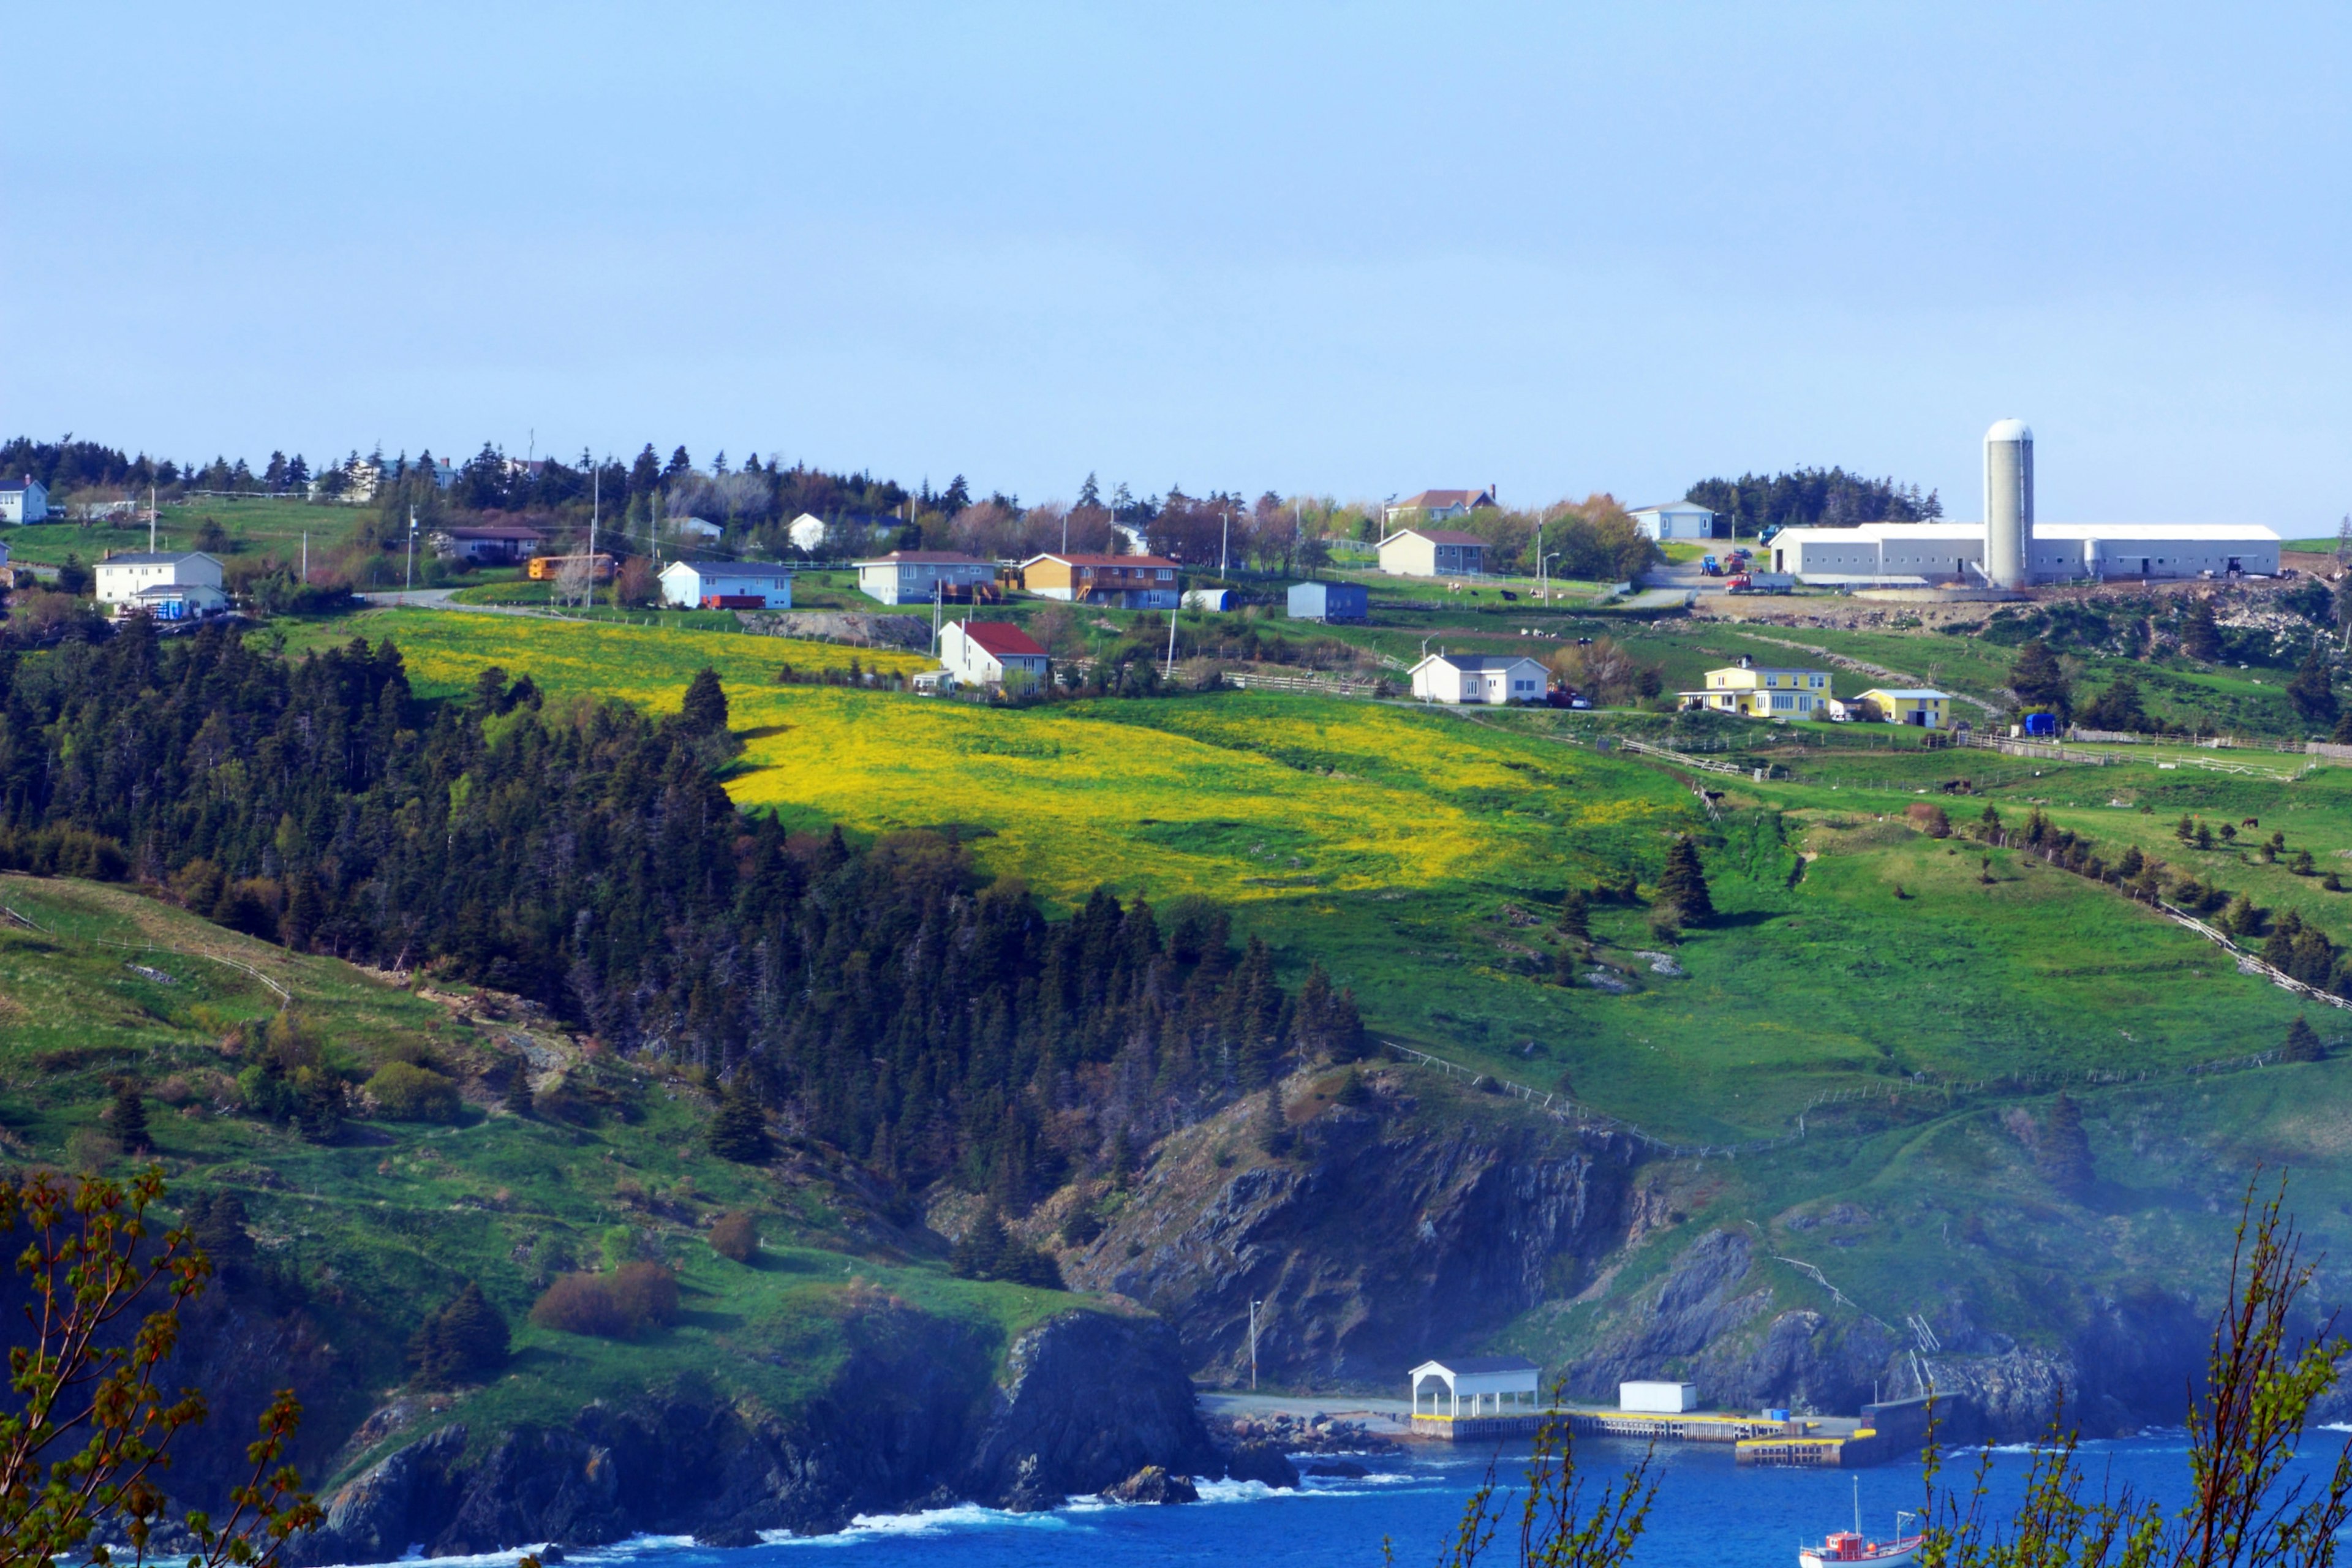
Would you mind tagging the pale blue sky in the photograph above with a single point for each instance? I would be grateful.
(1347, 249)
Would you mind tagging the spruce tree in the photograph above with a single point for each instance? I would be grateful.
(2039, 681)
(1270, 1128)
(704, 711)
(738, 1132)
(980, 1251)
(464, 1342)
(2200, 634)
(2312, 691)
(2062, 1150)
(130, 1119)
(1575, 915)
(2302, 1042)
(1683, 886)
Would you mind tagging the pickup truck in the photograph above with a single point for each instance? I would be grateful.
(1761, 583)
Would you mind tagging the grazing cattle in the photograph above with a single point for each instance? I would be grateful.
(1506, 593)
(2252, 822)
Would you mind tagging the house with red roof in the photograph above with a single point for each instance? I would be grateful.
(984, 653)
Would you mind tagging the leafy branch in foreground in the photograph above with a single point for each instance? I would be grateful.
(1556, 1528)
(2262, 1379)
(81, 1373)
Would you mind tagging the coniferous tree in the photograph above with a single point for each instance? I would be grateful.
(2302, 1042)
(128, 1116)
(2311, 691)
(1270, 1128)
(464, 1342)
(1575, 915)
(739, 1131)
(704, 711)
(1681, 887)
(2200, 634)
(2039, 681)
(2063, 1150)
(979, 1250)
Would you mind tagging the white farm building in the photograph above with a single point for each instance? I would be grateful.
(2015, 548)
(2055, 552)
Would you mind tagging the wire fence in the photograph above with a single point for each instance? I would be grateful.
(284, 996)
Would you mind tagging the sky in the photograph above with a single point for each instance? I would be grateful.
(1343, 249)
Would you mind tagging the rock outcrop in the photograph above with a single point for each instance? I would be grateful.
(1381, 1239)
(914, 1418)
(1153, 1484)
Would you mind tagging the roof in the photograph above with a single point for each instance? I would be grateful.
(1001, 638)
(2009, 430)
(1910, 693)
(1469, 1364)
(1428, 501)
(493, 530)
(1471, 663)
(924, 558)
(156, 558)
(172, 589)
(1073, 560)
(1766, 669)
(1439, 535)
(1671, 506)
(2167, 532)
(22, 484)
(734, 568)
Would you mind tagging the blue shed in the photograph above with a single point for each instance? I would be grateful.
(1329, 602)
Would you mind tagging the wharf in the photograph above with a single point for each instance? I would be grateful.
(1885, 1431)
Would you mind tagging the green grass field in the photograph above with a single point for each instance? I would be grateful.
(1420, 854)
(392, 1218)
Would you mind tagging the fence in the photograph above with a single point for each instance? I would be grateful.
(2047, 751)
(29, 923)
(1331, 688)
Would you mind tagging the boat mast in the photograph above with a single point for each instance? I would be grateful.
(1857, 1505)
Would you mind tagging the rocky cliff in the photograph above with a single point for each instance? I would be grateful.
(1384, 1234)
(913, 1418)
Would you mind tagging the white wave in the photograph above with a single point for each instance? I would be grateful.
(481, 1559)
(933, 1521)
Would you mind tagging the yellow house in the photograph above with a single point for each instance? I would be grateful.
(1758, 691)
(1917, 705)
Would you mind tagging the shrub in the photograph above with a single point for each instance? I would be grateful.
(410, 1093)
(736, 1236)
(621, 1305)
(464, 1342)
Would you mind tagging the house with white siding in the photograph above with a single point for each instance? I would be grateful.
(984, 653)
(1492, 680)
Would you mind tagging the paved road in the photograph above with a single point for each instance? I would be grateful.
(1356, 1407)
(437, 598)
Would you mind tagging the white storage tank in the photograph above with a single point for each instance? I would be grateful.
(1658, 1398)
(2008, 503)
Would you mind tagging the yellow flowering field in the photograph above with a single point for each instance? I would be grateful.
(1248, 796)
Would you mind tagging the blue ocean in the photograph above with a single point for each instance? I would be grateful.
(1709, 1514)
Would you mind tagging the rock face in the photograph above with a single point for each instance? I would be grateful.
(913, 1418)
(1380, 1242)
(1153, 1484)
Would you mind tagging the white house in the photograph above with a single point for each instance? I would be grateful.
(171, 586)
(909, 576)
(1463, 1386)
(23, 500)
(1470, 677)
(982, 653)
(1433, 552)
(1674, 520)
(728, 585)
(1436, 506)
(699, 528)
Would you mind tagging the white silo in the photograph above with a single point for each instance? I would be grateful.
(2008, 503)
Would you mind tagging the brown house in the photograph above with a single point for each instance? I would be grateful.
(1121, 582)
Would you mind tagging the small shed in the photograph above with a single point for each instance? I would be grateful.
(1217, 599)
(1658, 1398)
(1459, 1386)
(1348, 603)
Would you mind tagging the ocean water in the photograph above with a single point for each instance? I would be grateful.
(1710, 1514)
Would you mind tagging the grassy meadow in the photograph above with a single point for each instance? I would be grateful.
(395, 1216)
(1421, 856)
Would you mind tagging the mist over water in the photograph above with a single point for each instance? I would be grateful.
(1710, 1514)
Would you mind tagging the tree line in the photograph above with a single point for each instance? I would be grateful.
(888, 999)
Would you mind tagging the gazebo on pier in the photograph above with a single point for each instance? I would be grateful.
(1462, 1387)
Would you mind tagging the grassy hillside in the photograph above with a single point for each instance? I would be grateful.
(371, 1231)
(1421, 857)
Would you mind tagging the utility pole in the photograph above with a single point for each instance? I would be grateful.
(1171, 632)
(150, 519)
(1224, 539)
(306, 556)
(939, 593)
(409, 582)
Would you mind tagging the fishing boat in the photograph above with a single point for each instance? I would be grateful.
(1851, 1546)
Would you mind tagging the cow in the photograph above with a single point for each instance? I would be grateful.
(2252, 822)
